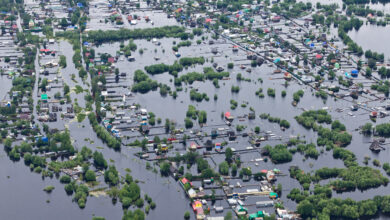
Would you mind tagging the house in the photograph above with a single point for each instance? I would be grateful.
(214, 133)
(319, 59)
(218, 147)
(193, 146)
(111, 60)
(209, 145)
(184, 181)
(228, 116)
(257, 215)
(24, 116)
(282, 213)
(276, 18)
(191, 193)
(240, 210)
(145, 128)
(232, 135)
(198, 209)
(44, 97)
(52, 117)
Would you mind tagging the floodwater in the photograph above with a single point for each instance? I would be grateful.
(21, 188)
(372, 37)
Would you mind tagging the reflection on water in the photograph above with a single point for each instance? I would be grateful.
(373, 37)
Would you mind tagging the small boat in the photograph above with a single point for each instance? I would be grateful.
(156, 58)
(242, 66)
(177, 54)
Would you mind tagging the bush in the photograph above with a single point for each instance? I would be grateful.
(90, 176)
(187, 215)
(65, 179)
(271, 92)
(48, 189)
(279, 153)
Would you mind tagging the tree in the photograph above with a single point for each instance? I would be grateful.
(188, 123)
(165, 168)
(228, 155)
(228, 216)
(368, 72)
(64, 23)
(367, 128)
(111, 176)
(62, 62)
(371, 63)
(187, 215)
(224, 168)
(90, 176)
(234, 169)
(65, 179)
(99, 161)
(8, 144)
(305, 208)
(208, 173)
(202, 164)
(136, 215)
(66, 89)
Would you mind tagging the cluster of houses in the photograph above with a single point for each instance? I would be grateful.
(202, 209)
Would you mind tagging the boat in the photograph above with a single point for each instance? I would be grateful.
(177, 54)
(156, 58)
(242, 66)
(277, 71)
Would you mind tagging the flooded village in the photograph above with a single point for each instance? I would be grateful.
(194, 109)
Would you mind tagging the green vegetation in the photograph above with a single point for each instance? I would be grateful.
(367, 128)
(62, 62)
(235, 89)
(161, 68)
(298, 95)
(194, 95)
(48, 189)
(103, 134)
(309, 150)
(100, 36)
(383, 130)
(271, 92)
(142, 82)
(279, 153)
(189, 61)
